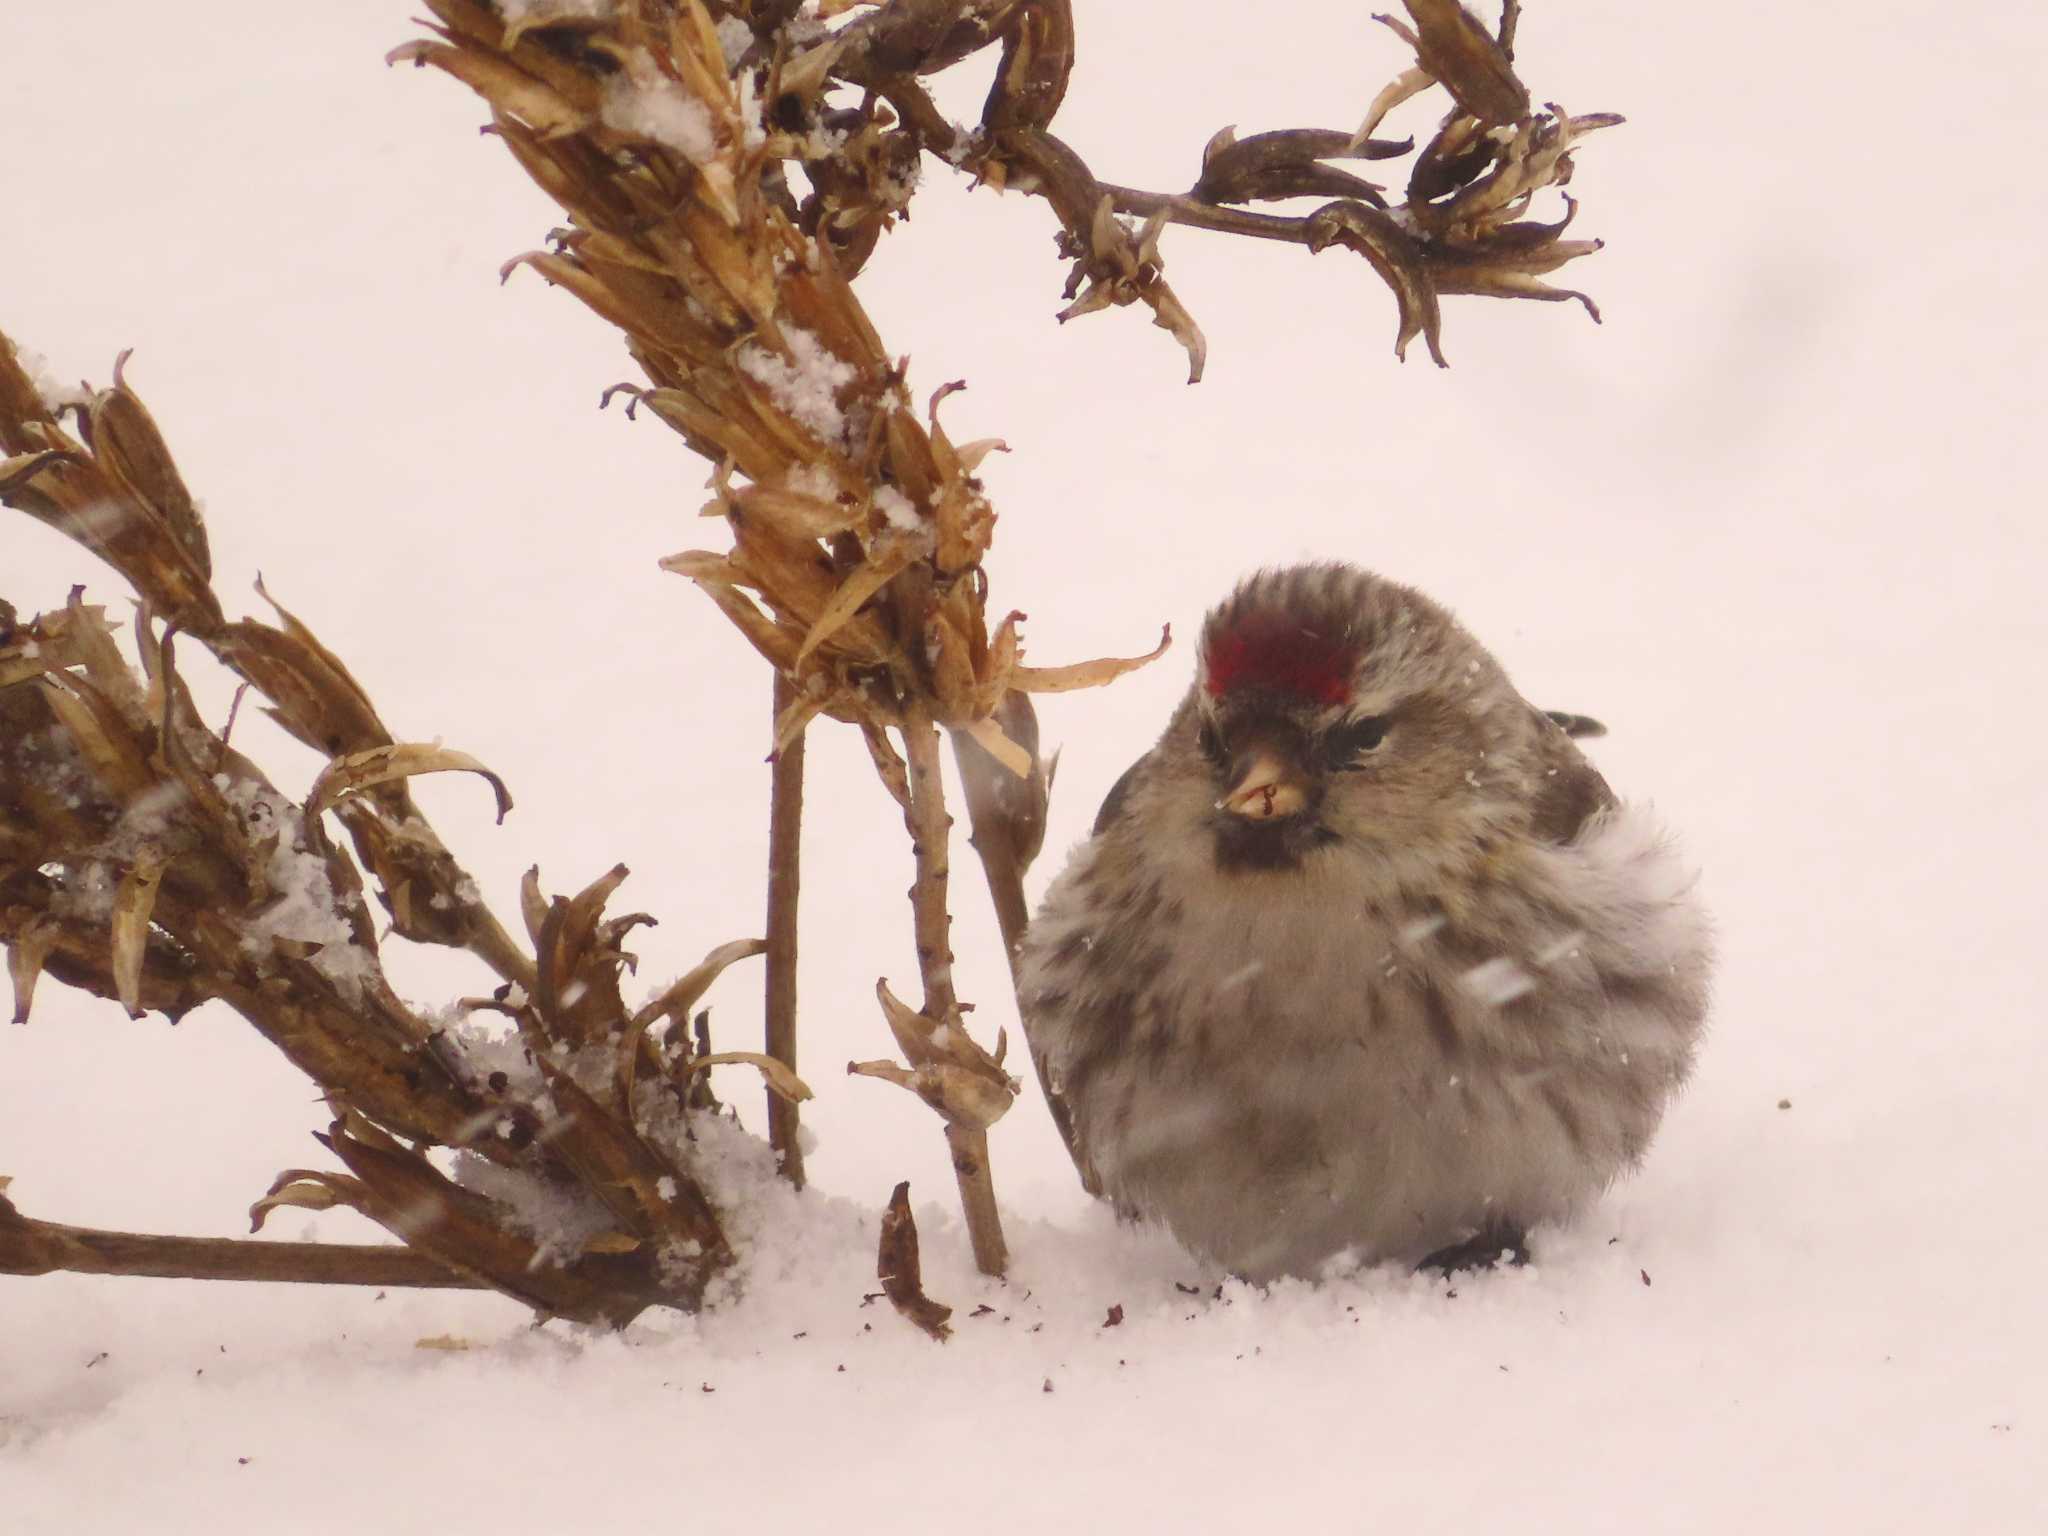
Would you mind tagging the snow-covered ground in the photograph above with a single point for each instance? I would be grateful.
(1778, 522)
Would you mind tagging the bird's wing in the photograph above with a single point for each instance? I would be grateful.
(1063, 1122)
(1113, 802)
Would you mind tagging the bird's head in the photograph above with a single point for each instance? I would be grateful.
(1333, 708)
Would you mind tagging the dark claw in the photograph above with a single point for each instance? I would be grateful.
(1500, 1245)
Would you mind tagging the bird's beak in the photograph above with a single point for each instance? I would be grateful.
(1264, 787)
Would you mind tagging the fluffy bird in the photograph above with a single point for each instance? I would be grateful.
(1363, 955)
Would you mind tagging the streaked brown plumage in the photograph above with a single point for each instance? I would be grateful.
(1363, 954)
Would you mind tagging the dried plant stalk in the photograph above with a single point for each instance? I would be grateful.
(143, 858)
(785, 861)
(31, 1247)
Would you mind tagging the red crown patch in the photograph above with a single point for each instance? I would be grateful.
(1272, 651)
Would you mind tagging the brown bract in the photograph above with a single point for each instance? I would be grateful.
(898, 1267)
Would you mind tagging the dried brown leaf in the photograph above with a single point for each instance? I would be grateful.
(993, 740)
(16, 472)
(25, 957)
(305, 1189)
(129, 446)
(134, 900)
(681, 995)
(1410, 82)
(1396, 257)
(779, 1078)
(100, 731)
(888, 555)
(1452, 44)
(1038, 58)
(898, 1267)
(1086, 674)
(506, 87)
(363, 770)
(533, 907)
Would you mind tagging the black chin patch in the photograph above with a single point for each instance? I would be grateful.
(1242, 843)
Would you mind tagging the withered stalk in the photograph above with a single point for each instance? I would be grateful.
(931, 919)
(785, 829)
(1179, 208)
(31, 1247)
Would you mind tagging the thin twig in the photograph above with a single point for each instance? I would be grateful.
(930, 832)
(31, 1247)
(1193, 212)
(785, 829)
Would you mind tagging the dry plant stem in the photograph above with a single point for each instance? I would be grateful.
(785, 834)
(930, 833)
(31, 1247)
(1182, 209)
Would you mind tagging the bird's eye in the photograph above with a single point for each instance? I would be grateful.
(1353, 739)
(1210, 740)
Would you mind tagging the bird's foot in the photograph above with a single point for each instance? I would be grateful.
(1502, 1244)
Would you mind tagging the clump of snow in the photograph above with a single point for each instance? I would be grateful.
(961, 148)
(304, 907)
(560, 1218)
(56, 396)
(754, 132)
(811, 480)
(491, 1045)
(642, 101)
(823, 141)
(896, 508)
(900, 185)
(805, 384)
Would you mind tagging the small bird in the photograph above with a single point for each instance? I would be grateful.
(1363, 956)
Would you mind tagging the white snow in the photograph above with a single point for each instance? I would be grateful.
(812, 480)
(754, 132)
(303, 906)
(805, 383)
(897, 510)
(1753, 522)
(641, 100)
(56, 397)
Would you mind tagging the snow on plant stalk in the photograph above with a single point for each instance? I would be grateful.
(144, 858)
